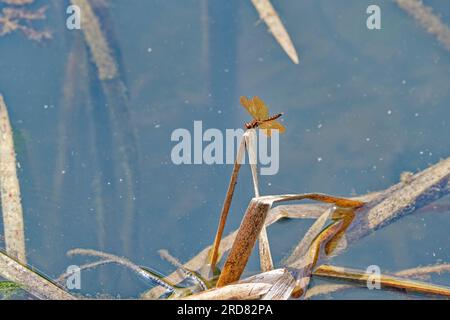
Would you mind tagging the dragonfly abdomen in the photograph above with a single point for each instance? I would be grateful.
(255, 122)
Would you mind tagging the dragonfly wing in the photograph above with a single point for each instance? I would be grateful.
(262, 112)
(249, 106)
(268, 126)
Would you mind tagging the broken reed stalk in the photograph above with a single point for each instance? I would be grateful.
(30, 281)
(427, 19)
(268, 14)
(265, 256)
(10, 190)
(249, 231)
(386, 281)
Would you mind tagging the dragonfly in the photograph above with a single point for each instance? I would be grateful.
(261, 119)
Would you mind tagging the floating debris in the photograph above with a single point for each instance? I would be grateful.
(16, 19)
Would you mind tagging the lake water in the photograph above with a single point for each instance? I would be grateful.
(360, 108)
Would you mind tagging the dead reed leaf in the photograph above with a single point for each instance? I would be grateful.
(268, 14)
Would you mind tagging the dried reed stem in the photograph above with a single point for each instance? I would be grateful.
(10, 190)
(226, 206)
(31, 281)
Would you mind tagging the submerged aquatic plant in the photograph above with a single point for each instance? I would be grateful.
(8, 289)
(16, 18)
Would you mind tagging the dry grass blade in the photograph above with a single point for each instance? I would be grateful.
(313, 257)
(10, 190)
(265, 255)
(282, 288)
(186, 273)
(30, 281)
(295, 211)
(268, 14)
(254, 287)
(308, 238)
(386, 281)
(418, 272)
(251, 147)
(338, 201)
(238, 291)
